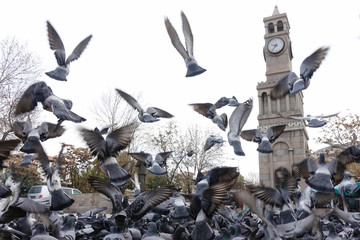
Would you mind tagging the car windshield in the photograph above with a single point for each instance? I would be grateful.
(34, 189)
(67, 190)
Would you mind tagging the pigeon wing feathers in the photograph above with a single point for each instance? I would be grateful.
(312, 62)
(274, 132)
(283, 86)
(189, 41)
(53, 130)
(148, 200)
(120, 138)
(175, 39)
(268, 195)
(239, 116)
(327, 116)
(56, 44)
(248, 135)
(28, 100)
(78, 50)
(109, 190)
(157, 112)
(43, 158)
(202, 108)
(130, 100)
(213, 197)
(95, 141)
(6, 146)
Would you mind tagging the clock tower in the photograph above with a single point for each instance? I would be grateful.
(291, 147)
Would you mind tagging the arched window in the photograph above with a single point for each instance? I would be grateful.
(280, 26)
(264, 101)
(271, 28)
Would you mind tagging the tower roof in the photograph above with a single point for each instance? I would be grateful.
(276, 11)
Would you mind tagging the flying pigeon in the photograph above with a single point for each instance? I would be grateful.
(291, 83)
(152, 114)
(262, 138)
(313, 121)
(140, 206)
(208, 110)
(236, 122)
(40, 92)
(212, 140)
(25, 131)
(154, 164)
(192, 66)
(106, 150)
(59, 199)
(63, 68)
(318, 175)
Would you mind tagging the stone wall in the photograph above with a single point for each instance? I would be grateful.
(88, 201)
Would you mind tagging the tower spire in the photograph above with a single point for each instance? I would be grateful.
(276, 11)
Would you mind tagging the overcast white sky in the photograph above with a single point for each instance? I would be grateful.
(131, 50)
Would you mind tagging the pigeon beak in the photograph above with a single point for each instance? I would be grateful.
(297, 87)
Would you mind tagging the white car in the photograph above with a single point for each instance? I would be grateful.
(40, 193)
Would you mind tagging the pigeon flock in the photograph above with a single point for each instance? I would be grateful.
(215, 210)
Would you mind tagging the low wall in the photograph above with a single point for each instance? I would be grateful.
(88, 201)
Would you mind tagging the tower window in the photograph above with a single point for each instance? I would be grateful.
(271, 28)
(264, 100)
(280, 26)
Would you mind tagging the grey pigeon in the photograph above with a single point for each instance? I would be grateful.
(291, 83)
(154, 165)
(59, 199)
(152, 114)
(43, 132)
(312, 121)
(6, 146)
(106, 150)
(237, 120)
(212, 140)
(109, 190)
(63, 68)
(208, 110)
(262, 138)
(40, 92)
(318, 175)
(192, 66)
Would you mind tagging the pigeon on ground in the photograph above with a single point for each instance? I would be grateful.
(312, 121)
(63, 68)
(212, 140)
(43, 132)
(192, 66)
(262, 138)
(237, 120)
(291, 83)
(59, 199)
(40, 92)
(106, 150)
(152, 114)
(347, 186)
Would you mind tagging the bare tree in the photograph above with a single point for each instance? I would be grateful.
(18, 69)
(112, 109)
(188, 155)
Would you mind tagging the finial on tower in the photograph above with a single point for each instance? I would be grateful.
(276, 11)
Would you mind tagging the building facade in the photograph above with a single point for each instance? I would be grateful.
(292, 145)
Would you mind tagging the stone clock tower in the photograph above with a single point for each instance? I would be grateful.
(291, 147)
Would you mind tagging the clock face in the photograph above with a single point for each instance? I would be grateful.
(275, 45)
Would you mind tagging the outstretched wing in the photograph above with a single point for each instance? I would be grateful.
(175, 39)
(312, 62)
(56, 44)
(78, 50)
(189, 41)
